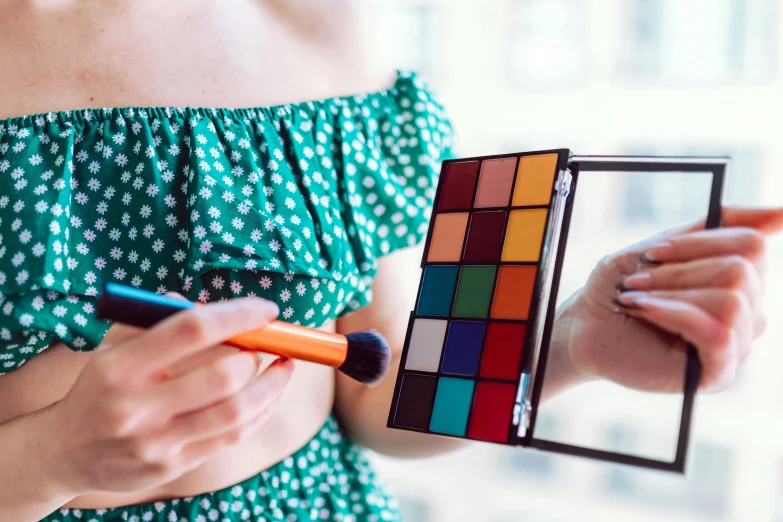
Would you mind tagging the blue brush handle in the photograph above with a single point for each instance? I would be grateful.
(134, 307)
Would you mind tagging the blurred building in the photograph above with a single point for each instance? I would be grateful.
(665, 77)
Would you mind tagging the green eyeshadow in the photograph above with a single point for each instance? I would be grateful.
(474, 291)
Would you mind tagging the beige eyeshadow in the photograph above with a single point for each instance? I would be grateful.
(448, 235)
(495, 181)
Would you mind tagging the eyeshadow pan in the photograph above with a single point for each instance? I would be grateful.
(459, 179)
(437, 290)
(485, 237)
(448, 234)
(495, 181)
(474, 291)
(452, 406)
(513, 292)
(535, 179)
(491, 415)
(502, 351)
(415, 400)
(524, 233)
(463, 348)
(426, 344)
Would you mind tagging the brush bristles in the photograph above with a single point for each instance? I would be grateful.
(368, 357)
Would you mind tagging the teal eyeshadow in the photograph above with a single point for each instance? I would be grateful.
(452, 405)
(437, 291)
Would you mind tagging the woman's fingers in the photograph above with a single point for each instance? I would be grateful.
(766, 220)
(205, 385)
(729, 307)
(717, 242)
(730, 273)
(191, 331)
(195, 453)
(234, 412)
(716, 342)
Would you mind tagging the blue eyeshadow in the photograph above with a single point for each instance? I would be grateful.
(463, 348)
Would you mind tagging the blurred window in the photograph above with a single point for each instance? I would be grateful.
(623, 439)
(703, 40)
(703, 494)
(547, 42)
(416, 27)
(531, 462)
(415, 509)
(644, 200)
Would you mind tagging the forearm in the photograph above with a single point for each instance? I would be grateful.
(27, 492)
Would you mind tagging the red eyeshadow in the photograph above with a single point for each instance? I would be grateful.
(491, 415)
(459, 180)
(502, 351)
(485, 237)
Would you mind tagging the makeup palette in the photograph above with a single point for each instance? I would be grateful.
(478, 338)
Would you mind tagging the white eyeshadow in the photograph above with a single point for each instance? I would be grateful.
(426, 345)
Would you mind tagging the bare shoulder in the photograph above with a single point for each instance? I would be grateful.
(73, 54)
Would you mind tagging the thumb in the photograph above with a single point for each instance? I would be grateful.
(765, 220)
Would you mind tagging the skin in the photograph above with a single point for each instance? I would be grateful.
(170, 412)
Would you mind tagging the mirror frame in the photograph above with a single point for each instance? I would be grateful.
(583, 164)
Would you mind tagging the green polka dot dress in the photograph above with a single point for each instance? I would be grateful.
(291, 203)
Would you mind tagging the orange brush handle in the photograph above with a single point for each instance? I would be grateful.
(295, 342)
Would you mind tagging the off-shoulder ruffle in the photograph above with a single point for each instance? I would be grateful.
(293, 203)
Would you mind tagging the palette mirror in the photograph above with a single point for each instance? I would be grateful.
(638, 413)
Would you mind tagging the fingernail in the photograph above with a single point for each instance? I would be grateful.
(282, 361)
(629, 300)
(656, 254)
(270, 309)
(637, 281)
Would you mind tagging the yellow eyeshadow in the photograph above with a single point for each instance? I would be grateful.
(524, 234)
(535, 176)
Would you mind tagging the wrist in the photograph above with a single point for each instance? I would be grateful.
(28, 490)
(47, 456)
(561, 371)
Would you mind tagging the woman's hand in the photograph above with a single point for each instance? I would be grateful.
(132, 422)
(641, 306)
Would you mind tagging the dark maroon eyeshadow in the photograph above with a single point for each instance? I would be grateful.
(485, 237)
(459, 182)
(414, 406)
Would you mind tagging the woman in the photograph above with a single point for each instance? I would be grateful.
(297, 208)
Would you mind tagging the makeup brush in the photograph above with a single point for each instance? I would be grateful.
(363, 356)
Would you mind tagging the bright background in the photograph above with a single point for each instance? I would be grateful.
(665, 77)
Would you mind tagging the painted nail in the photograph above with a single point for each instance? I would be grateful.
(637, 281)
(656, 254)
(629, 300)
